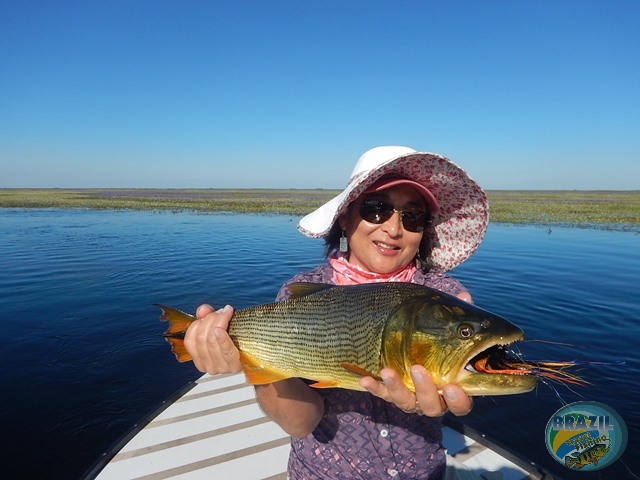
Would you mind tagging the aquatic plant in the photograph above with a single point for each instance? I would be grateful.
(597, 209)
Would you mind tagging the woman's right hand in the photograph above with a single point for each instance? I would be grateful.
(209, 344)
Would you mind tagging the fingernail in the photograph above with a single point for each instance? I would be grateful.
(416, 373)
(450, 394)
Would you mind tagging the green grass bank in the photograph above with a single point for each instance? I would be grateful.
(605, 209)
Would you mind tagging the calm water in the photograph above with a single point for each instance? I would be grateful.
(83, 360)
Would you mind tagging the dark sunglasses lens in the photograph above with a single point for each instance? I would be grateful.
(377, 212)
(414, 221)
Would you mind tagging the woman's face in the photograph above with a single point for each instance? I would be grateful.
(388, 246)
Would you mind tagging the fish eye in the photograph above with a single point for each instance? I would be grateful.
(465, 331)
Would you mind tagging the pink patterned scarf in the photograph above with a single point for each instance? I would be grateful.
(345, 273)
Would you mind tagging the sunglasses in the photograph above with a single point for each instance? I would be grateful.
(377, 212)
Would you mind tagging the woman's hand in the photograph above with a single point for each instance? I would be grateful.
(209, 344)
(426, 400)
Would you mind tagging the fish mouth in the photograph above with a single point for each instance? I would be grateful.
(488, 370)
(494, 360)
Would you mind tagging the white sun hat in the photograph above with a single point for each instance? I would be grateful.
(458, 205)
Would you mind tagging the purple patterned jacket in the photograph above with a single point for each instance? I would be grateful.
(360, 435)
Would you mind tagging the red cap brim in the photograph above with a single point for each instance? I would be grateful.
(385, 183)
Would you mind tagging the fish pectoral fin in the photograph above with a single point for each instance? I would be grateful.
(361, 372)
(257, 373)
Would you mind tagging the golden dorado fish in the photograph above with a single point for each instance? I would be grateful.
(334, 335)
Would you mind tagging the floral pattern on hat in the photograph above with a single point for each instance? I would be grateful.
(456, 231)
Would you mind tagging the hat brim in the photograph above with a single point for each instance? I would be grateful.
(457, 228)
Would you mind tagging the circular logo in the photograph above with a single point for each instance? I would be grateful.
(586, 436)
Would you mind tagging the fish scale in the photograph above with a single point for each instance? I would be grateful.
(293, 336)
(334, 335)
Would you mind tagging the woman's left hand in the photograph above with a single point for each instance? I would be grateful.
(426, 400)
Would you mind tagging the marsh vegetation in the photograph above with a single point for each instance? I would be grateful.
(588, 208)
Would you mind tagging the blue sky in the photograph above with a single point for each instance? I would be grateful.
(287, 94)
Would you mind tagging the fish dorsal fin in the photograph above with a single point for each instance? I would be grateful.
(302, 289)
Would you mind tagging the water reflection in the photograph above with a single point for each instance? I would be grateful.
(84, 360)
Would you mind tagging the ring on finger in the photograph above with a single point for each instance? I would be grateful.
(416, 409)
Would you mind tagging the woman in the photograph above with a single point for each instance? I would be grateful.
(404, 216)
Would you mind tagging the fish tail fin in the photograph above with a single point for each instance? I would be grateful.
(178, 323)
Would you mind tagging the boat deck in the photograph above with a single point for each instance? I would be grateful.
(215, 429)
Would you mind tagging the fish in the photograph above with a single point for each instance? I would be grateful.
(332, 336)
(590, 455)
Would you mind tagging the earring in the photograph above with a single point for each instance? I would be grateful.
(344, 243)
